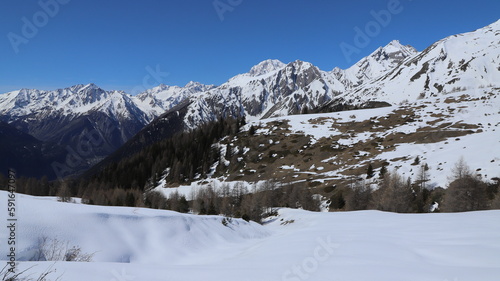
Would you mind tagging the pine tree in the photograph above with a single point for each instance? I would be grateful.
(382, 172)
(130, 199)
(369, 171)
(252, 130)
(305, 110)
(183, 204)
(416, 161)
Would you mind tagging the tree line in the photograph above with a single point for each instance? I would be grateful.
(466, 191)
(179, 159)
(237, 201)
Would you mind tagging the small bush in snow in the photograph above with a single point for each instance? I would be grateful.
(6, 275)
(58, 250)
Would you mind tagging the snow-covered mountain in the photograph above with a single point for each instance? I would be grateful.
(269, 89)
(393, 74)
(266, 67)
(89, 121)
(445, 105)
(272, 88)
(377, 63)
(468, 61)
(159, 99)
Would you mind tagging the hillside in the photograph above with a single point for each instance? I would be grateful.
(29, 156)
(325, 149)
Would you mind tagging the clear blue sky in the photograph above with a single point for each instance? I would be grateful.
(111, 43)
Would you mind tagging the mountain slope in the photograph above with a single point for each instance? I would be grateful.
(87, 120)
(466, 61)
(377, 63)
(162, 98)
(272, 88)
(91, 122)
(344, 144)
(27, 155)
(333, 148)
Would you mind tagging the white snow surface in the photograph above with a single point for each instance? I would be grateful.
(143, 244)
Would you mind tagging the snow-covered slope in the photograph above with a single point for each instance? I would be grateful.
(77, 99)
(87, 120)
(141, 244)
(461, 62)
(332, 148)
(270, 89)
(393, 73)
(91, 122)
(377, 63)
(162, 98)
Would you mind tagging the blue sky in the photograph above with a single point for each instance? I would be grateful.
(114, 43)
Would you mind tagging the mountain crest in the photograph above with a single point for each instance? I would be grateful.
(266, 67)
(382, 60)
(394, 51)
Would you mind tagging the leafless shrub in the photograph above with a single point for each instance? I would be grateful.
(6, 275)
(59, 250)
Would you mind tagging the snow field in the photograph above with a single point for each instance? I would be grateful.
(141, 244)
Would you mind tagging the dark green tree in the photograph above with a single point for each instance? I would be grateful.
(369, 171)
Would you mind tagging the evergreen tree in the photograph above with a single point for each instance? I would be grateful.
(252, 130)
(382, 172)
(416, 161)
(369, 171)
(183, 204)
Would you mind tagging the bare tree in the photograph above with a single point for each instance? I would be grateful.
(270, 194)
(495, 203)
(173, 201)
(465, 194)
(226, 207)
(359, 197)
(394, 195)
(155, 200)
(64, 194)
(422, 176)
(461, 170)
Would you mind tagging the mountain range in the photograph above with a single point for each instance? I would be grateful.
(90, 123)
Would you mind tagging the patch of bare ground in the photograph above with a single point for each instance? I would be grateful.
(288, 156)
